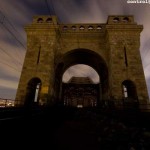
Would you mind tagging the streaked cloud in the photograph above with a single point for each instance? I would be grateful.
(8, 84)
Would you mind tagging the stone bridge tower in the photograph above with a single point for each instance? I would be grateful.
(111, 48)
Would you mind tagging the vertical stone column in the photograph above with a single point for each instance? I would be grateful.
(125, 61)
(39, 59)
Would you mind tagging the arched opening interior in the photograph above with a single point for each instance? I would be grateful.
(86, 57)
(81, 70)
(40, 20)
(80, 86)
(33, 92)
(129, 90)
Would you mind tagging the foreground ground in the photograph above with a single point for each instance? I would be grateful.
(60, 128)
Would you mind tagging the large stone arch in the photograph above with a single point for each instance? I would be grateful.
(81, 56)
(111, 48)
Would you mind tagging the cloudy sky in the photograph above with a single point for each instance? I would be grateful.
(15, 14)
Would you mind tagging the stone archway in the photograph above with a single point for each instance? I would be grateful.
(111, 48)
(82, 56)
(33, 92)
(129, 89)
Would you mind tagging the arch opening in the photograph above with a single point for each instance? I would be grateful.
(80, 86)
(84, 57)
(129, 90)
(80, 70)
(130, 99)
(33, 92)
(40, 20)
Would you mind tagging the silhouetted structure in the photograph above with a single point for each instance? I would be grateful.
(111, 48)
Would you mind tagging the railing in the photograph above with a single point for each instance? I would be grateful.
(105, 104)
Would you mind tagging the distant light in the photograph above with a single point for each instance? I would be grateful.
(79, 106)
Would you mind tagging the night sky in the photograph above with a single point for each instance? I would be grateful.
(15, 14)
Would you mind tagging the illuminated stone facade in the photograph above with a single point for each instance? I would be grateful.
(111, 48)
